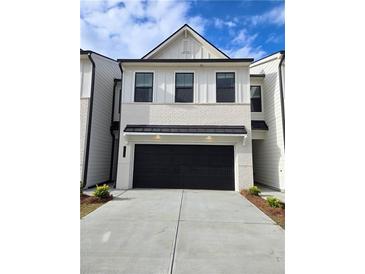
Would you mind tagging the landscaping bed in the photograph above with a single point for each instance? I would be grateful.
(276, 214)
(90, 203)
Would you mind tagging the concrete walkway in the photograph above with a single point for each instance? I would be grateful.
(180, 231)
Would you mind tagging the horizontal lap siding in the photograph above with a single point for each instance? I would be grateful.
(84, 109)
(268, 154)
(101, 139)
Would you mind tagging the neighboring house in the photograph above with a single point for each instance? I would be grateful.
(99, 76)
(186, 117)
(267, 103)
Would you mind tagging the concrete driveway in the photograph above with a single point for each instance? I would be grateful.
(180, 231)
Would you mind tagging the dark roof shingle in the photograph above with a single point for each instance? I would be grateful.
(259, 125)
(186, 129)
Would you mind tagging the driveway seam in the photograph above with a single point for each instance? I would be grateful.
(228, 222)
(175, 239)
(121, 193)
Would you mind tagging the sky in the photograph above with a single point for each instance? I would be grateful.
(130, 29)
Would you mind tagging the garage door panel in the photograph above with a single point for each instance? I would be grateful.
(184, 166)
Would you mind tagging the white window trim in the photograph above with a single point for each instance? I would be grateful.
(235, 85)
(262, 99)
(194, 86)
(153, 85)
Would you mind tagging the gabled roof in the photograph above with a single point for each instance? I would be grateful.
(194, 33)
(268, 57)
(84, 52)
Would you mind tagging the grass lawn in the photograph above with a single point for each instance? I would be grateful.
(276, 214)
(90, 203)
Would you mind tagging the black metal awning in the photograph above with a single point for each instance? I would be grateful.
(186, 129)
(259, 125)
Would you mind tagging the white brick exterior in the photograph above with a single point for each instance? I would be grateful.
(187, 114)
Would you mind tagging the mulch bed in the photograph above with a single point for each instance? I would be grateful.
(276, 214)
(90, 203)
(86, 199)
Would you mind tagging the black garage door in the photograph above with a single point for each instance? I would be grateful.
(184, 166)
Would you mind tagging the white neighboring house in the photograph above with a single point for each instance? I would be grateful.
(99, 76)
(268, 93)
(185, 117)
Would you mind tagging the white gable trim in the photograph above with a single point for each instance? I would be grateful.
(186, 28)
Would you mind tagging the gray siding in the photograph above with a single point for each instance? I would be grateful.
(268, 154)
(100, 138)
(84, 109)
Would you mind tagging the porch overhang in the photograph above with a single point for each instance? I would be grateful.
(186, 130)
(181, 134)
(259, 125)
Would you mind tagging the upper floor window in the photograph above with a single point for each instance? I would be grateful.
(184, 87)
(143, 91)
(225, 84)
(256, 104)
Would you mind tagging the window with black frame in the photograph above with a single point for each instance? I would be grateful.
(256, 104)
(184, 87)
(143, 91)
(225, 83)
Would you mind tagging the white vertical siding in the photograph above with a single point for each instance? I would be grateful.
(101, 139)
(204, 83)
(176, 49)
(268, 154)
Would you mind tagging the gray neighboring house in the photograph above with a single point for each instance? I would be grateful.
(99, 78)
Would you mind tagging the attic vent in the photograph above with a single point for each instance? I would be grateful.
(186, 46)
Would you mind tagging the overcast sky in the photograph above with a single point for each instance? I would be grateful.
(129, 29)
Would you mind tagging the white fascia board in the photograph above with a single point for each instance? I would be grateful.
(265, 60)
(163, 45)
(186, 64)
(203, 42)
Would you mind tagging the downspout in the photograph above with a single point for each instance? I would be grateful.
(282, 94)
(112, 134)
(120, 118)
(90, 114)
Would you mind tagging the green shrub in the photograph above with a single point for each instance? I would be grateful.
(254, 190)
(273, 201)
(82, 185)
(102, 191)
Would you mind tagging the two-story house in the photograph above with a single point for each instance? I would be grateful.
(185, 117)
